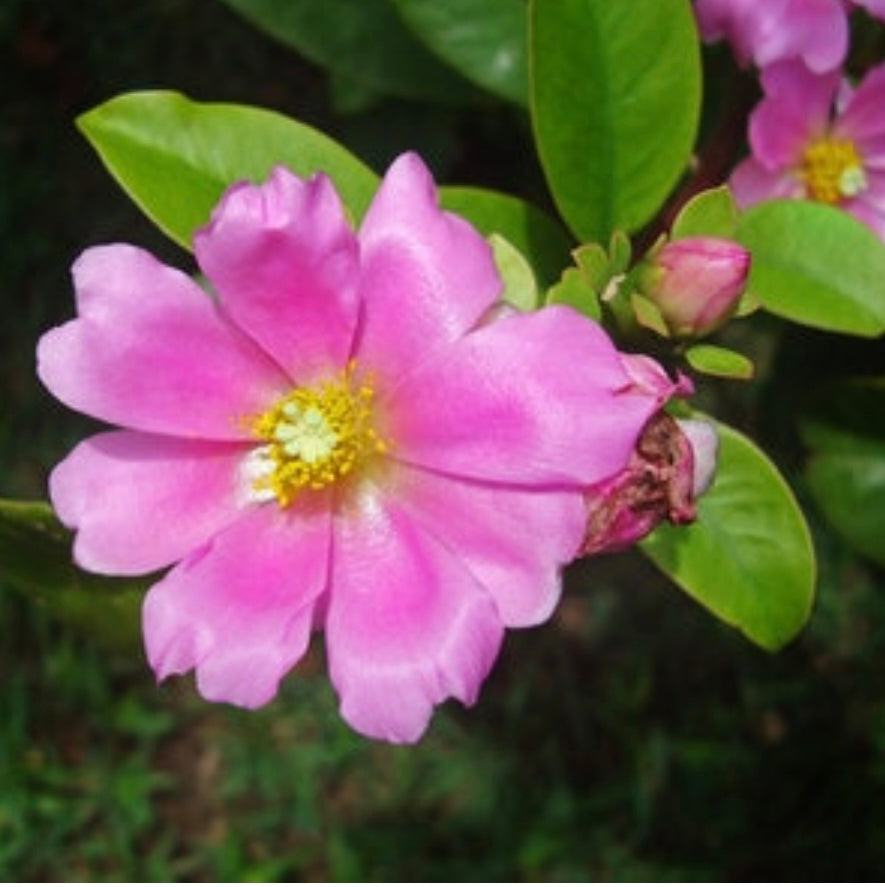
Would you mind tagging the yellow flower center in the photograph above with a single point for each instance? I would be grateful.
(313, 438)
(832, 170)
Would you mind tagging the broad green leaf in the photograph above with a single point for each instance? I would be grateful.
(532, 232)
(749, 557)
(175, 157)
(845, 435)
(35, 557)
(520, 286)
(816, 265)
(714, 360)
(615, 98)
(711, 213)
(485, 41)
(363, 39)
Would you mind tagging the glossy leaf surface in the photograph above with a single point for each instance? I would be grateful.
(362, 39)
(486, 42)
(615, 98)
(816, 265)
(175, 157)
(748, 558)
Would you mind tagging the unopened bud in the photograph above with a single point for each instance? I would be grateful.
(695, 283)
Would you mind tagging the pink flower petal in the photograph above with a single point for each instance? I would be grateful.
(408, 625)
(729, 20)
(283, 260)
(751, 184)
(139, 501)
(768, 31)
(795, 111)
(239, 610)
(651, 379)
(514, 541)
(868, 212)
(427, 276)
(815, 31)
(149, 350)
(864, 116)
(539, 398)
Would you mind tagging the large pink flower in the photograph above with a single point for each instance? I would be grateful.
(767, 31)
(814, 137)
(346, 437)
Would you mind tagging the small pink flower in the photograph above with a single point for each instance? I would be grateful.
(696, 283)
(814, 137)
(768, 31)
(347, 438)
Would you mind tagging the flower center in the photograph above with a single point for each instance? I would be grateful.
(832, 170)
(313, 437)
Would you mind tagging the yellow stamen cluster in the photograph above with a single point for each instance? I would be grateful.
(314, 437)
(832, 170)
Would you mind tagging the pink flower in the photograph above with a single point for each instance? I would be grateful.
(348, 437)
(768, 31)
(696, 283)
(813, 137)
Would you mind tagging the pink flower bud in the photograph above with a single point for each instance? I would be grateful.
(671, 466)
(696, 283)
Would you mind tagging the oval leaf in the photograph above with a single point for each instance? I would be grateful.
(748, 558)
(711, 213)
(486, 41)
(175, 157)
(816, 265)
(714, 360)
(615, 98)
(364, 40)
(845, 434)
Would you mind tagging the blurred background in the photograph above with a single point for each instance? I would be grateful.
(632, 738)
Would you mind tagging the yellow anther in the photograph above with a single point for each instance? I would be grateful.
(832, 170)
(314, 437)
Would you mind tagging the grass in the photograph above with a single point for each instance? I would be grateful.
(632, 739)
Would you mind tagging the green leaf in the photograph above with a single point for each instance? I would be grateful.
(364, 40)
(486, 42)
(845, 434)
(520, 286)
(620, 252)
(711, 213)
(714, 360)
(35, 557)
(175, 157)
(532, 232)
(595, 264)
(749, 557)
(615, 99)
(816, 265)
(646, 313)
(574, 289)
